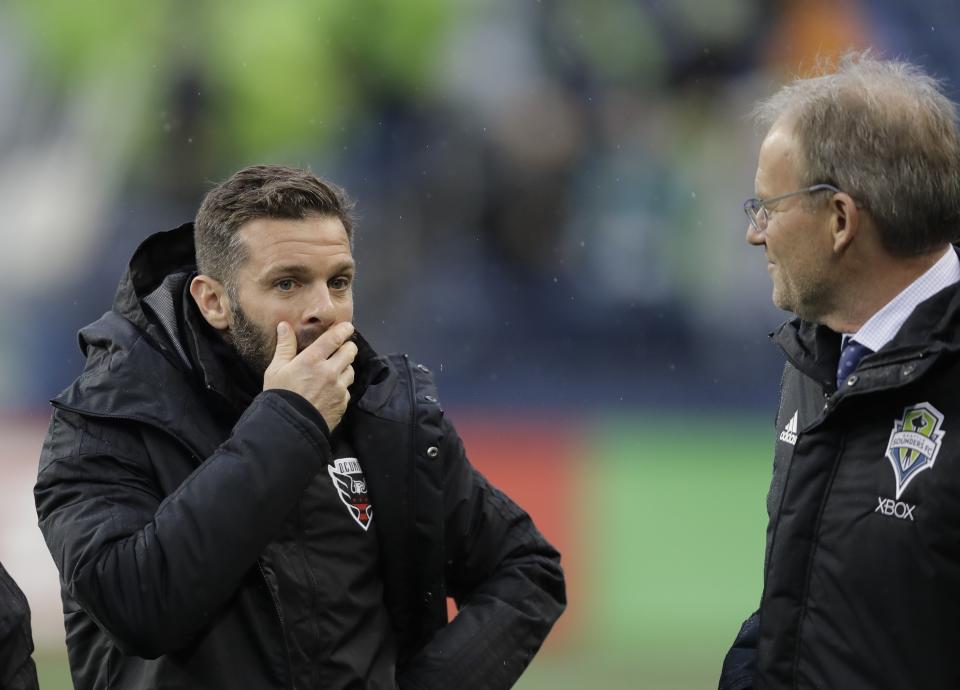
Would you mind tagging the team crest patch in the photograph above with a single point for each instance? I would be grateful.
(347, 477)
(914, 442)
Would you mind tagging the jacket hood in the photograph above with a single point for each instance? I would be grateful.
(126, 376)
(149, 291)
(134, 358)
(159, 256)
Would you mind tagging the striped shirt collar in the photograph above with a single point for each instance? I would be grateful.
(881, 328)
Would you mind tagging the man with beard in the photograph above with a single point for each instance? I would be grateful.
(240, 493)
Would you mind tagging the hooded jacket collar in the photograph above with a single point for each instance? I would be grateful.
(160, 256)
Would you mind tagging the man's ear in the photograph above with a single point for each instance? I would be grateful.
(212, 299)
(846, 221)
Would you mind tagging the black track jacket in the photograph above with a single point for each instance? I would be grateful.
(158, 516)
(862, 573)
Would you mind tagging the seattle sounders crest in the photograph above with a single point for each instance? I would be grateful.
(914, 442)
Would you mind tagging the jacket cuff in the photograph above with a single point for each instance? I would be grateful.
(303, 407)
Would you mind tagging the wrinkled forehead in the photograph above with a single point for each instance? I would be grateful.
(312, 241)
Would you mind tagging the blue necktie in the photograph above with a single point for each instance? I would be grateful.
(850, 357)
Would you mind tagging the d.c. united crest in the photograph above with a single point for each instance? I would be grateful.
(351, 486)
(914, 442)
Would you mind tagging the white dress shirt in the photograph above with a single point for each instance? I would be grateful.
(885, 324)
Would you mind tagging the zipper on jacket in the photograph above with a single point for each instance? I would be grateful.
(412, 394)
(428, 595)
(783, 382)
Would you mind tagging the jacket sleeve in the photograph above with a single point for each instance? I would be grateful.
(17, 670)
(506, 580)
(152, 570)
(740, 664)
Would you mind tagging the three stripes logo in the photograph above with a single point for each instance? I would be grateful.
(789, 433)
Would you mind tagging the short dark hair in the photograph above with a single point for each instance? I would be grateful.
(884, 132)
(260, 191)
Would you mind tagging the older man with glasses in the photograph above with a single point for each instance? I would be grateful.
(858, 202)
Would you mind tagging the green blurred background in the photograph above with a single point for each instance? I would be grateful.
(549, 197)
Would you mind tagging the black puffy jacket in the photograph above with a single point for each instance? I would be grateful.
(17, 670)
(158, 514)
(862, 566)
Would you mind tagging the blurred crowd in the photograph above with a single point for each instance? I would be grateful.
(549, 192)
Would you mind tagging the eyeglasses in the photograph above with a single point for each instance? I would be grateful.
(759, 214)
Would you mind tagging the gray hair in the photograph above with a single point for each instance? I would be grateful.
(884, 132)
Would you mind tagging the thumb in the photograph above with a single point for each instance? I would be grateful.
(286, 344)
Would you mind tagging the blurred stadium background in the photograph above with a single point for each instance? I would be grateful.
(550, 218)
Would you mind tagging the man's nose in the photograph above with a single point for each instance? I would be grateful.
(321, 309)
(754, 236)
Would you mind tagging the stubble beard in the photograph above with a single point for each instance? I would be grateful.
(253, 344)
(810, 298)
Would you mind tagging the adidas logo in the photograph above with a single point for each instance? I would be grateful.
(789, 433)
